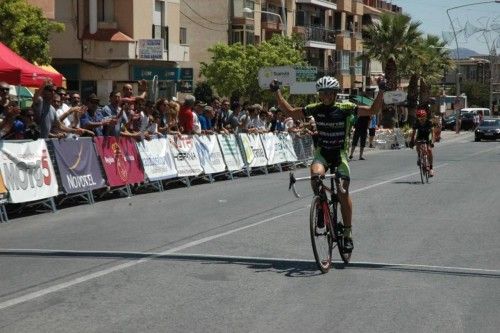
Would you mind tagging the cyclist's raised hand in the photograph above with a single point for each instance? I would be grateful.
(274, 85)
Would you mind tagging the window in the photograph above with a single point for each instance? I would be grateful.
(161, 32)
(243, 34)
(238, 6)
(300, 18)
(345, 61)
(105, 10)
(357, 64)
(183, 36)
(159, 28)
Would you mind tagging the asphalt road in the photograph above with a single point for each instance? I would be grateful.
(235, 256)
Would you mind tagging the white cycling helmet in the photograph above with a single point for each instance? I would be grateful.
(327, 83)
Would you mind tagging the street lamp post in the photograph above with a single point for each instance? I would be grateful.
(457, 69)
(250, 10)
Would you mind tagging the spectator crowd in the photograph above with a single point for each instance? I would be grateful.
(55, 113)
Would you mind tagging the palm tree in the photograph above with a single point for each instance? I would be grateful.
(439, 61)
(424, 64)
(388, 42)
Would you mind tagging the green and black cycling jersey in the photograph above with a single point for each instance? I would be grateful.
(333, 123)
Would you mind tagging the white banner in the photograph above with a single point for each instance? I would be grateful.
(231, 152)
(187, 161)
(284, 74)
(210, 154)
(27, 171)
(285, 143)
(272, 147)
(157, 159)
(253, 150)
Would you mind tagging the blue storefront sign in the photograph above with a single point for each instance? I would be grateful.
(185, 84)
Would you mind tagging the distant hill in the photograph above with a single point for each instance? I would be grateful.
(463, 52)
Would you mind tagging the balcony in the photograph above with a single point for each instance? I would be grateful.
(383, 5)
(344, 6)
(351, 6)
(328, 4)
(358, 7)
(343, 40)
(271, 24)
(316, 36)
(356, 42)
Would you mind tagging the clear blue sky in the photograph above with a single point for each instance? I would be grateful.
(432, 15)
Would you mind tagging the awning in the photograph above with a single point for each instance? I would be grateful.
(372, 11)
(16, 70)
(51, 69)
(107, 35)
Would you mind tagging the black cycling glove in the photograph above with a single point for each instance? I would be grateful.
(274, 85)
(382, 85)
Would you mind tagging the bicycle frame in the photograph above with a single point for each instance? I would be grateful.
(422, 149)
(423, 156)
(334, 228)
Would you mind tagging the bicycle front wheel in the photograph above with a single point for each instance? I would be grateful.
(344, 255)
(421, 167)
(321, 235)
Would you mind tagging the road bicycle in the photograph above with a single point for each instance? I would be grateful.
(325, 237)
(423, 160)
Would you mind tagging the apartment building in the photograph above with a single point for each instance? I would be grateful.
(331, 29)
(108, 43)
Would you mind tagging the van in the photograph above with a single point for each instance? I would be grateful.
(485, 111)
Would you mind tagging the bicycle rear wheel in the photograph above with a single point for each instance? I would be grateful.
(321, 238)
(426, 168)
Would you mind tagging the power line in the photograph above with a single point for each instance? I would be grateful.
(194, 11)
(201, 25)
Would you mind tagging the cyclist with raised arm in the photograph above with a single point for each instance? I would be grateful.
(422, 131)
(333, 123)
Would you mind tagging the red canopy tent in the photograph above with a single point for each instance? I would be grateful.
(15, 70)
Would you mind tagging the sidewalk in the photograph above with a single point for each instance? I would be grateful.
(451, 135)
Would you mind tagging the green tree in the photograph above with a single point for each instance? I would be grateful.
(478, 94)
(424, 65)
(26, 31)
(436, 62)
(203, 92)
(389, 42)
(234, 68)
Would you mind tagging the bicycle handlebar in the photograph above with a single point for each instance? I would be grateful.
(293, 180)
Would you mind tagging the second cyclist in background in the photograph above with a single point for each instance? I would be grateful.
(423, 131)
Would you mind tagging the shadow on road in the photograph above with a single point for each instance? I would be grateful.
(288, 267)
(408, 182)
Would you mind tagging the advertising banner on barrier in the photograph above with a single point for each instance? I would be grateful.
(272, 146)
(27, 171)
(78, 165)
(231, 152)
(210, 154)
(120, 160)
(187, 161)
(285, 145)
(254, 151)
(157, 159)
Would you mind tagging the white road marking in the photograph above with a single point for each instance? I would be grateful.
(85, 278)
